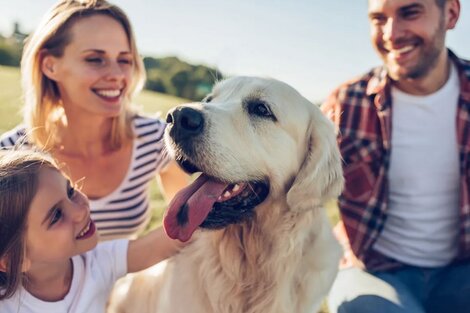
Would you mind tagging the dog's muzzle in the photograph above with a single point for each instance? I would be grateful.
(184, 123)
(208, 202)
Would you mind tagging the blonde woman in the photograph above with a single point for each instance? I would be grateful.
(80, 71)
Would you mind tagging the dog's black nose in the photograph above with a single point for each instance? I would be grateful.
(186, 122)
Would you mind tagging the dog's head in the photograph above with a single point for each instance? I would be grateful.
(252, 138)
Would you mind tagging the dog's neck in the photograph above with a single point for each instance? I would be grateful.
(259, 257)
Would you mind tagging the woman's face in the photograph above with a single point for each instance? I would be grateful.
(95, 71)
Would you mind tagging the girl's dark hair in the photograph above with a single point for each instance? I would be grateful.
(18, 185)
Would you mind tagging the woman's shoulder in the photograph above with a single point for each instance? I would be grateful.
(142, 119)
(149, 145)
(145, 125)
(14, 137)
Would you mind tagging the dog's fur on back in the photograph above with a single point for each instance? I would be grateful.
(283, 258)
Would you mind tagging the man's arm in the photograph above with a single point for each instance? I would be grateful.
(332, 109)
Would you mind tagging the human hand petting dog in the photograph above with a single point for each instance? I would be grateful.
(348, 259)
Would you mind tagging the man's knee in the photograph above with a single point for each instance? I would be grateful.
(369, 304)
(358, 291)
(458, 302)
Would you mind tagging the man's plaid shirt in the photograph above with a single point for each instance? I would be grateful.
(361, 110)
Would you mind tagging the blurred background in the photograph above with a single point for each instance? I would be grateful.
(313, 45)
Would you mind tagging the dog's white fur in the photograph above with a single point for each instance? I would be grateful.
(285, 259)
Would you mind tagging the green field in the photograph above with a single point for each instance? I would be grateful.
(10, 97)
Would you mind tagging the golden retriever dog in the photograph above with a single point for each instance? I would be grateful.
(269, 161)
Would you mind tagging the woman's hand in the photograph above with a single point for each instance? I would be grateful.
(171, 180)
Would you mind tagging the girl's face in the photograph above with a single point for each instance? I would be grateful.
(58, 223)
(95, 71)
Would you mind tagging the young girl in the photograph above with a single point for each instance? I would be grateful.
(49, 257)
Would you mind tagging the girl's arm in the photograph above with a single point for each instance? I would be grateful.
(151, 249)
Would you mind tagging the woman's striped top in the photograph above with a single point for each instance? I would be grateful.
(125, 211)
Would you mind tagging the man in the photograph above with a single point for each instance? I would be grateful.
(404, 134)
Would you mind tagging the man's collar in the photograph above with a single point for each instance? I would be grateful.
(378, 88)
(380, 84)
(463, 69)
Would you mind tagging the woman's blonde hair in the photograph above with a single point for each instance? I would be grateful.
(42, 108)
(19, 171)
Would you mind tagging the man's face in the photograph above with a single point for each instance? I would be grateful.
(409, 35)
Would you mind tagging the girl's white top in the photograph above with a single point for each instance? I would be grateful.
(94, 274)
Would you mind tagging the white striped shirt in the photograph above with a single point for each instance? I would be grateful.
(125, 211)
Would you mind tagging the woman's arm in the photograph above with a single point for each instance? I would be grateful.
(171, 180)
(150, 249)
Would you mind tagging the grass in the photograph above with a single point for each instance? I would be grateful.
(149, 102)
(10, 98)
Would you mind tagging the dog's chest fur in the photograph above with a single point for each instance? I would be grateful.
(251, 269)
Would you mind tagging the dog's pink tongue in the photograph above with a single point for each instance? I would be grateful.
(190, 207)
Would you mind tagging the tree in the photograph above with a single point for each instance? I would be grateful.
(180, 78)
(10, 52)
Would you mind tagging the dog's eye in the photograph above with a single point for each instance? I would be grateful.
(207, 99)
(260, 108)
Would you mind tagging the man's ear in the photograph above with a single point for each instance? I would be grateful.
(49, 66)
(453, 12)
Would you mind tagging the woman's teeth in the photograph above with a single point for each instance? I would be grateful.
(110, 93)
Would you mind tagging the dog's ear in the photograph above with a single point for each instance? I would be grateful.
(320, 177)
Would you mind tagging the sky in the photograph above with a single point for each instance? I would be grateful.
(313, 45)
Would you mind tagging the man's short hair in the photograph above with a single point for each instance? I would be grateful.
(440, 3)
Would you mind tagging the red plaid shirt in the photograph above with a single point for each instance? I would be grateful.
(361, 110)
